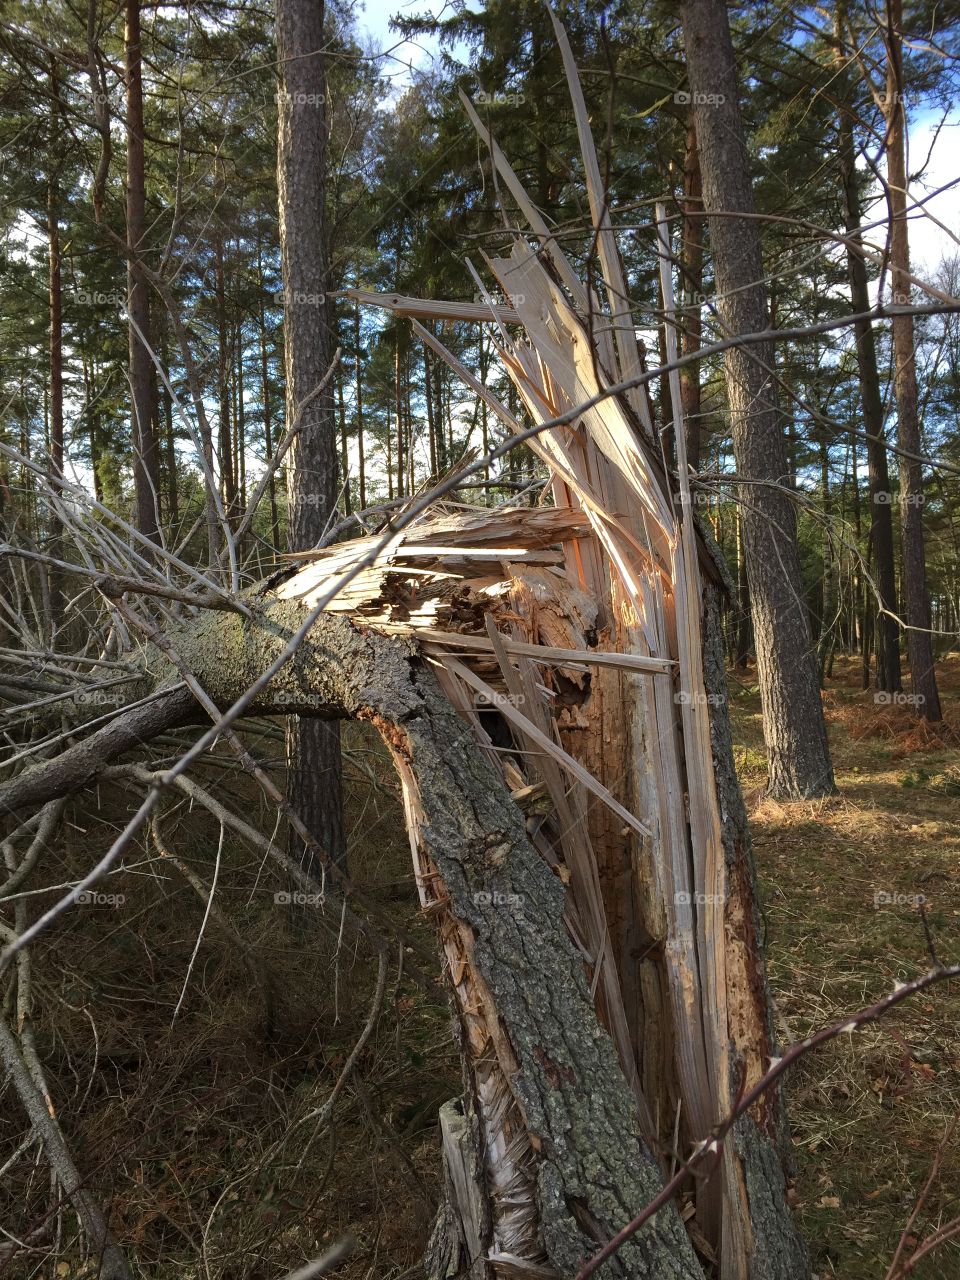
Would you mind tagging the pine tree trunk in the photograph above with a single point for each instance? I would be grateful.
(916, 600)
(313, 748)
(886, 630)
(398, 412)
(173, 500)
(146, 469)
(240, 417)
(829, 577)
(55, 312)
(267, 405)
(361, 458)
(794, 727)
(228, 474)
(691, 279)
(744, 638)
(344, 448)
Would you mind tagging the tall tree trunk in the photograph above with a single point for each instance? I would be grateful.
(240, 418)
(170, 450)
(431, 424)
(314, 785)
(887, 632)
(691, 277)
(361, 460)
(916, 600)
(794, 727)
(744, 639)
(344, 448)
(55, 311)
(829, 579)
(267, 403)
(146, 469)
(228, 482)
(90, 399)
(398, 411)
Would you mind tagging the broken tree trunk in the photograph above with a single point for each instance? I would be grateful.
(555, 1133)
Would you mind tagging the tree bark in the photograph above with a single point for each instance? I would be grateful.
(691, 276)
(344, 449)
(829, 581)
(146, 470)
(916, 600)
(398, 410)
(228, 471)
(314, 786)
(361, 461)
(743, 637)
(887, 632)
(794, 727)
(170, 446)
(55, 313)
(267, 405)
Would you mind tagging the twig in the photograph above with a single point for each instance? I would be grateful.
(113, 1265)
(323, 1265)
(712, 1146)
(894, 1272)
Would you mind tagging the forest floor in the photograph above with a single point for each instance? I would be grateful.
(204, 1126)
(841, 881)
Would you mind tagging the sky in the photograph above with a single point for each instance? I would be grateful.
(408, 57)
(928, 242)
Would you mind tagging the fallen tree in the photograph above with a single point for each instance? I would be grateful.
(549, 1127)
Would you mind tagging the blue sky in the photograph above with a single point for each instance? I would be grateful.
(373, 18)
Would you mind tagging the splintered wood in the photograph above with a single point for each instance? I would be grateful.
(568, 637)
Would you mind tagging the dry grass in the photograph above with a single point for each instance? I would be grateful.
(868, 1110)
(196, 1131)
(204, 1133)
